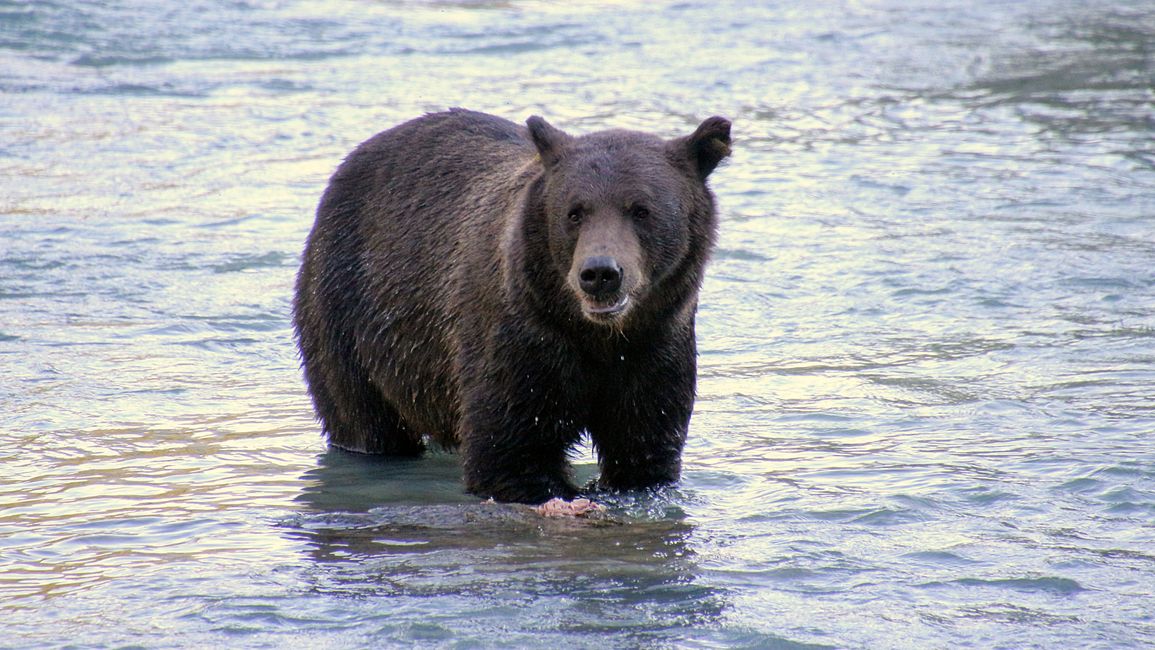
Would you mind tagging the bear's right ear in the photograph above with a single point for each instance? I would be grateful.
(707, 146)
(550, 142)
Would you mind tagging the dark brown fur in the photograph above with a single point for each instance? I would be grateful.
(440, 297)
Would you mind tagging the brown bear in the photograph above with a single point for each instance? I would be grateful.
(507, 289)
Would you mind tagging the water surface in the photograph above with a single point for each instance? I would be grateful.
(927, 372)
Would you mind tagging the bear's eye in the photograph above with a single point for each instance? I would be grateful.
(576, 214)
(640, 212)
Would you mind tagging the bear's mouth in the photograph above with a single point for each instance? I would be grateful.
(604, 310)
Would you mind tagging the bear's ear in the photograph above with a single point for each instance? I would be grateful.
(706, 147)
(550, 142)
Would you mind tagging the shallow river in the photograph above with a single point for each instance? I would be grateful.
(927, 378)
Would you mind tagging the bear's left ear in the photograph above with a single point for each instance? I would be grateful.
(706, 147)
(550, 142)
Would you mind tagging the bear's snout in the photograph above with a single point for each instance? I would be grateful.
(603, 287)
(606, 272)
(600, 276)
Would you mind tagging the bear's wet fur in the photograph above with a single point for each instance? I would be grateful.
(504, 289)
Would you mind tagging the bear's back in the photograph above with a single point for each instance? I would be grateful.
(426, 153)
(429, 180)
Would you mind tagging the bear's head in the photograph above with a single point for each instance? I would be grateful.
(630, 220)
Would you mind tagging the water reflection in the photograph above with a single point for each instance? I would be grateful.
(403, 529)
(1092, 83)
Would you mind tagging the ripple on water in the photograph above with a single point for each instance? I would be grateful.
(1048, 585)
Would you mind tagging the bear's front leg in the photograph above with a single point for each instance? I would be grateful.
(512, 459)
(518, 423)
(640, 423)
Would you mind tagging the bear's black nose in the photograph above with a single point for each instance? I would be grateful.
(600, 276)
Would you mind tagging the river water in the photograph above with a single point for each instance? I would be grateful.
(927, 372)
